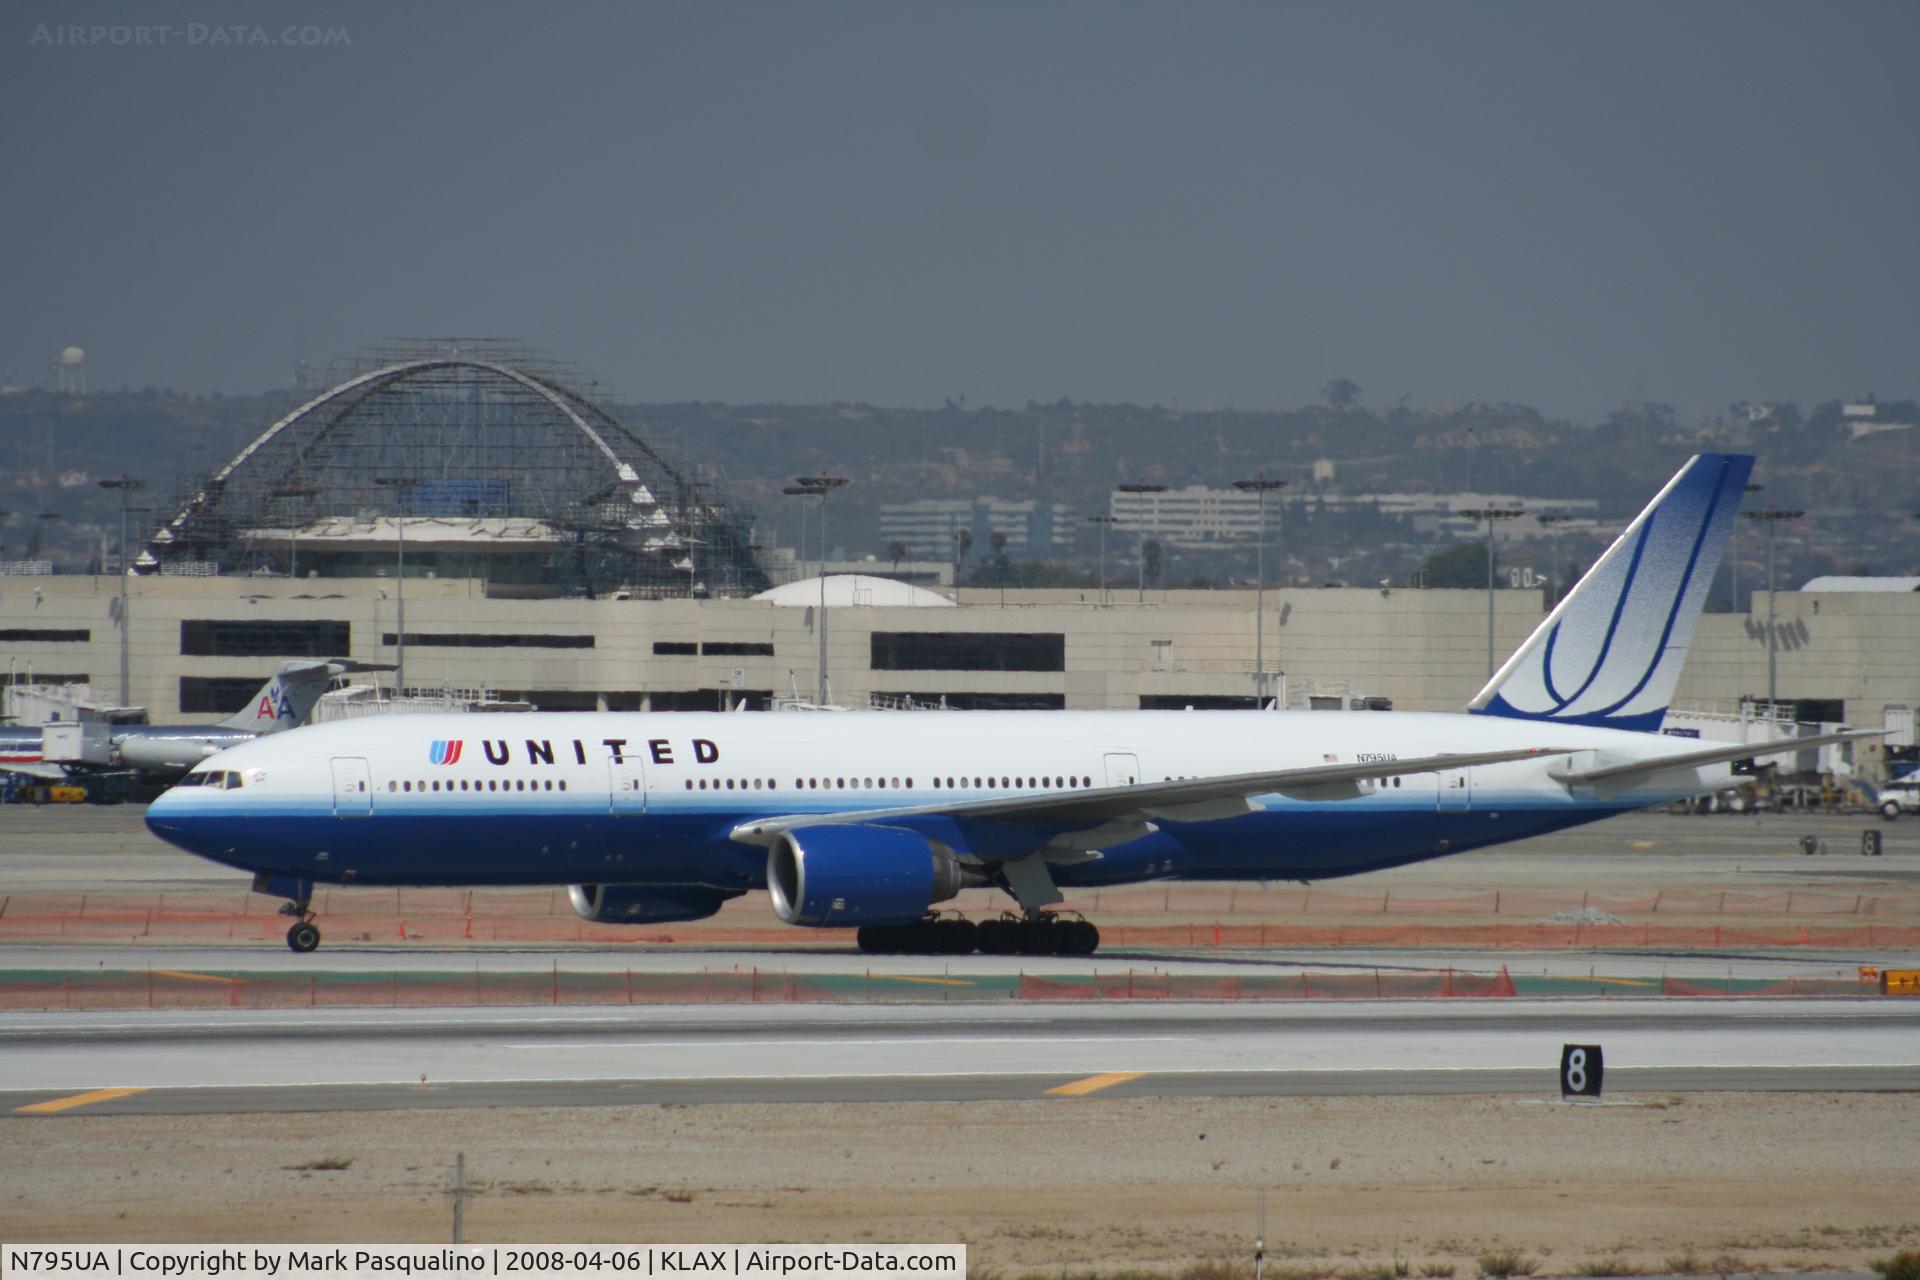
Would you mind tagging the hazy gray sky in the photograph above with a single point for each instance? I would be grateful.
(1562, 204)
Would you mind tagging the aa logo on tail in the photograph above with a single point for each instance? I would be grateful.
(444, 751)
(274, 705)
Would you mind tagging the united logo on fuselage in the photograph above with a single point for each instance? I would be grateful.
(445, 751)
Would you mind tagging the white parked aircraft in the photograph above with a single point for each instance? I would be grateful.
(870, 819)
(164, 751)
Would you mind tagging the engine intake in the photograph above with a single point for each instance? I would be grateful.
(836, 875)
(646, 903)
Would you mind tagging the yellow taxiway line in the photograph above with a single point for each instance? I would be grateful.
(71, 1101)
(1093, 1084)
(190, 977)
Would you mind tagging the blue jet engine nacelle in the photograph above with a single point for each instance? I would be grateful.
(838, 875)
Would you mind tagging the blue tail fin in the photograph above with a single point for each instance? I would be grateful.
(1610, 654)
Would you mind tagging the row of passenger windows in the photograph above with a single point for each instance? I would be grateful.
(1051, 782)
(493, 784)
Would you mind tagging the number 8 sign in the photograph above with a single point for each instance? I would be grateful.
(1580, 1070)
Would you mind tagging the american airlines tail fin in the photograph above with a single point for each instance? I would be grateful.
(1610, 653)
(286, 700)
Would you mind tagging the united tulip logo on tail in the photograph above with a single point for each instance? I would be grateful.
(445, 752)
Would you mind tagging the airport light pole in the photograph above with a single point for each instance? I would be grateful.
(1105, 522)
(1490, 515)
(820, 486)
(124, 486)
(1260, 486)
(1770, 519)
(402, 486)
(1552, 520)
(1733, 562)
(1141, 487)
(293, 553)
(40, 521)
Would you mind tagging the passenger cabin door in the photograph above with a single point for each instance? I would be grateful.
(627, 783)
(1123, 769)
(352, 788)
(1456, 790)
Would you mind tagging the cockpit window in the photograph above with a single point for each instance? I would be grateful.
(222, 780)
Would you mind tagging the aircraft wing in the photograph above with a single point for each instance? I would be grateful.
(49, 772)
(1635, 769)
(1182, 799)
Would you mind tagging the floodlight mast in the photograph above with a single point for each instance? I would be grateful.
(403, 486)
(1261, 486)
(1142, 487)
(125, 485)
(1770, 520)
(820, 487)
(1490, 515)
(1105, 523)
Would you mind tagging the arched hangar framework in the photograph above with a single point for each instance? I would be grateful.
(476, 459)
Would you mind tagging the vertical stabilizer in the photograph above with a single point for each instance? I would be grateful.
(286, 700)
(1610, 654)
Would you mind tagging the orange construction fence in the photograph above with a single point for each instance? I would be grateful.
(1298, 986)
(173, 989)
(1136, 917)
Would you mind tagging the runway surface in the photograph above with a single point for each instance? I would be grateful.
(90, 846)
(324, 1060)
(364, 959)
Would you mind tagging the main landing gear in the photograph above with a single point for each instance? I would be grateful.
(1040, 933)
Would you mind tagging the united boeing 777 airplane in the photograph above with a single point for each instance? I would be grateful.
(872, 819)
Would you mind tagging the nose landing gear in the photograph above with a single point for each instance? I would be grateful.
(303, 936)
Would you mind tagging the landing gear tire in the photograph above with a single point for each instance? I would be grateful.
(932, 936)
(998, 937)
(956, 936)
(1077, 937)
(304, 936)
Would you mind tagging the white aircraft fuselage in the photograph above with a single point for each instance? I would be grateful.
(656, 798)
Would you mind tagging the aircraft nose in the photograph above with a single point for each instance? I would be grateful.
(163, 816)
(169, 818)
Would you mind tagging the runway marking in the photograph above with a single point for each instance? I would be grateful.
(1093, 1084)
(68, 1103)
(825, 1042)
(190, 977)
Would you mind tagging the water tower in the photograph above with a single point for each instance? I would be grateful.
(71, 372)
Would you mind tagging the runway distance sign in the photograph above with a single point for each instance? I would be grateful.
(1581, 1066)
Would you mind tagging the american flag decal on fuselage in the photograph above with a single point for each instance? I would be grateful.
(445, 751)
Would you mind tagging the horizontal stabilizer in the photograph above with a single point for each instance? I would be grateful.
(1617, 773)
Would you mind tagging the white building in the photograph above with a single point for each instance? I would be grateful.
(1034, 530)
(1200, 516)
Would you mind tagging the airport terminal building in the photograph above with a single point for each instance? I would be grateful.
(197, 647)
